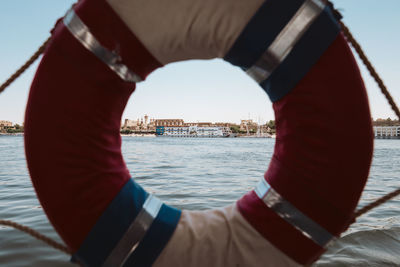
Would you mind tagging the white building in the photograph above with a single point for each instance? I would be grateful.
(387, 132)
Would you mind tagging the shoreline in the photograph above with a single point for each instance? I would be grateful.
(12, 134)
(238, 136)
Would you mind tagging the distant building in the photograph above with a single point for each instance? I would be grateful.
(225, 124)
(130, 124)
(389, 132)
(179, 127)
(247, 125)
(169, 122)
(140, 125)
(151, 126)
(385, 122)
(4, 125)
(200, 124)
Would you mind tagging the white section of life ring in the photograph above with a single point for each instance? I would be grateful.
(219, 237)
(186, 29)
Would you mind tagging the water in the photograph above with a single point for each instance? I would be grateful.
(200, 174)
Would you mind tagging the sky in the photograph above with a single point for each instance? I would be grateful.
(211, 90)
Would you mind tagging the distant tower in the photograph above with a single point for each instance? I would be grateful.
(145, 119)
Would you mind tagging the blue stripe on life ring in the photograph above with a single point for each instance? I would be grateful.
(262, 30)
(115, 221)
(157, 237)
(303, 56)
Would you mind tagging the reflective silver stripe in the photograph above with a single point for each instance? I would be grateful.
(135, 233)
(292, 215)
(286, 40)
(81, 32)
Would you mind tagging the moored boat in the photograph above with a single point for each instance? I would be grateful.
(192, 131)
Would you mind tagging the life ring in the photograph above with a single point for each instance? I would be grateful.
(292, 48)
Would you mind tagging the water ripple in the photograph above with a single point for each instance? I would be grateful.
(196, 174)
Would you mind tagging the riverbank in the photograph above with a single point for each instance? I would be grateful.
(11, 134)
(139, 135)
(231, 136)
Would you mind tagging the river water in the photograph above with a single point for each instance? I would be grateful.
(200, 174)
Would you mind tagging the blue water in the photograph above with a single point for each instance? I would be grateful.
(200, 174)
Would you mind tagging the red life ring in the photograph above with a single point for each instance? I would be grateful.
(323, 146)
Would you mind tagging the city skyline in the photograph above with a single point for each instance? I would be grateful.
(143, 119)
(198, 90)
(148, 119)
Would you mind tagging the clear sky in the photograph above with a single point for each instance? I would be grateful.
(197, 90)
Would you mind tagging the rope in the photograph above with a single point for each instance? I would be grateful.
(37, 235)
(389, 98)
(24, 67)
(376, 203)
(15, 225)
(370, 68)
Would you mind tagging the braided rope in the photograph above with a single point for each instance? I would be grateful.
(389, 98)
(37, 235)
(370, 68)
(377, 203)
(24, 67)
